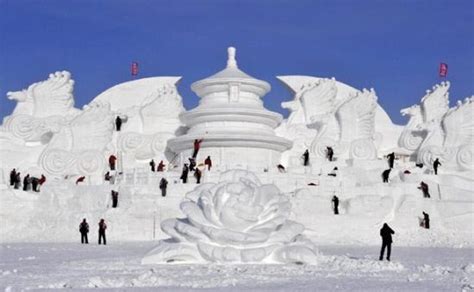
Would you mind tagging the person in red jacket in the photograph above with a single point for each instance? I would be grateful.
(197, 146)
(112, 160)
(161, 166)
(102, 228)
(208, 162)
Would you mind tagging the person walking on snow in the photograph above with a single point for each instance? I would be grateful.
(84, 229)
(102, 228)
(163, 186)
(335, 204)
(424, 188)
(306, 158)
(152, 165)
(196, 146)
(436, 164)
(208, 162)
(391, 159)
(386, 234)
(112, 160)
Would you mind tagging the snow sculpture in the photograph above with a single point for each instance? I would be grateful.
(231, 120)
(326, 112)
(350, 130)
(42, 108)
(433, 106)
(162, 108)
(235, 220)
(80, 147)
(451, 139)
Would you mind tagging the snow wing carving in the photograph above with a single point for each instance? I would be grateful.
(236, 220)
(79, 148)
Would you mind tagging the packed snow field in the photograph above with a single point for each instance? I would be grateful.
(341, 268)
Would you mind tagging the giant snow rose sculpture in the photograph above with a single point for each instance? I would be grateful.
(236, 220)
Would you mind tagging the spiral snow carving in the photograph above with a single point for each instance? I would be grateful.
(90, 162)
(362, 149)
(236, 220)
(56, 161)
(464, 157)
(319, 146)
(130, 141)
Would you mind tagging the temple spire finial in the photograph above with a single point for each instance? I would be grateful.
(231, 62)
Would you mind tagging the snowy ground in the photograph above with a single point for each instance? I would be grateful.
(343, 268)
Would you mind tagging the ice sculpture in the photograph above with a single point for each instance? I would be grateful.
(235, 220)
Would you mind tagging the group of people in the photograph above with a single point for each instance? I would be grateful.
(391, 160)
(329, 155)
(192, 165)
(84, 230)
(29, 182)
(153, 168)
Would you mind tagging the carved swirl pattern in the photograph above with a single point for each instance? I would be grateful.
(21, 126)
(130, 141)
(90, 162)
(56, 161)
(464, 157)
(428, 154)
(318, 147)
(159, 142)
(408, 141)
(362, 149)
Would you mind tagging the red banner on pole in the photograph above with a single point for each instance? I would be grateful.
(443, 69)
(134, 68)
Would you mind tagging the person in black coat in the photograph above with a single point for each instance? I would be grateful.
(12, 177)
(26, 182)
(163, 186)
(84, 229)
(391, 159)
(306, 158)
(114, 198)
(425, 189)
(335, 202)
(386, 175)
(386, 234)
(102, 228)
(118, 123)
(184, 174)
(329, 153)
(426, 220)
(197, 175)
(152, 165)
(436, 164)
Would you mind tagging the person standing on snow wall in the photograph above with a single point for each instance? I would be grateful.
(391, 159)
(102, 228)
(305, 158)
(163, 186)
(335, 202)
(208, 162)
(112, 160)
(152, 165)
(118, 123)
(12, 177)
(386, 234)
(196, 146)
(436, 164)
(84, 229)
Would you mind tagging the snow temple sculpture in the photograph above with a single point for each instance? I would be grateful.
(237, 131)
(235, 220)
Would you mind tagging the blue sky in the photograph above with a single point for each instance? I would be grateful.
(393, 46)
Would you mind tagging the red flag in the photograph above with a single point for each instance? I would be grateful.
(443, 69)
(134, 68)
